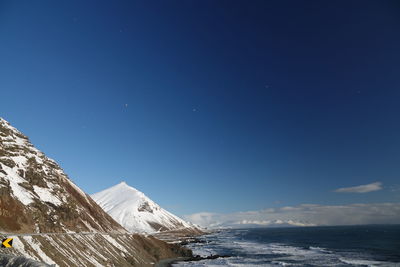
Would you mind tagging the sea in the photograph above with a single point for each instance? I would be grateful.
(367, 245)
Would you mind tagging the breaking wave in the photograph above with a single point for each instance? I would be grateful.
(245, 252)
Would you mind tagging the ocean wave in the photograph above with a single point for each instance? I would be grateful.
(369, 263)
(253, 253)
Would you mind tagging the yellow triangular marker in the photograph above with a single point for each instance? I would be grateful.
(6, 242)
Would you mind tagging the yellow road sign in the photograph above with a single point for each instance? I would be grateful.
(7, 243)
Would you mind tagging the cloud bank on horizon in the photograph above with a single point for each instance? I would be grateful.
(361, 188)
(303, 215)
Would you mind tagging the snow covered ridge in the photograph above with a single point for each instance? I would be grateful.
(136, 212)
(37, 196)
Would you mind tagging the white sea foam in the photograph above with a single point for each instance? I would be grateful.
(369, 263)
(250, 253)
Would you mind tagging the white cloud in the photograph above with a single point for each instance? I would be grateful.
(304, 215)
(361, 188)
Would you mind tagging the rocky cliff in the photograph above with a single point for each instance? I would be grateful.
(53, 221)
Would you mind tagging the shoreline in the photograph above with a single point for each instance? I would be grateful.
(170, 261)
(185, 241)
(180, 238)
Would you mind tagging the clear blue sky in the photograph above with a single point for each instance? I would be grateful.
(210, 105)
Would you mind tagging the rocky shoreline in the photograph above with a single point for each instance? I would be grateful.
(169, 262)
(183, 242)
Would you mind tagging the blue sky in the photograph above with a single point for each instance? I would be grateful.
(218, 106)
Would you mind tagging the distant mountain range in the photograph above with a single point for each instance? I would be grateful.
(136, 212)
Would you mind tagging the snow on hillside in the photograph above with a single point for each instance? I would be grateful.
(36, 194)
(52, 220)
(135, 211)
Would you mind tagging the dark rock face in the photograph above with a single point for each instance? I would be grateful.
(145, 206)
(9, 211)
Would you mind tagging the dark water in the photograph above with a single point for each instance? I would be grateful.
(372, 245)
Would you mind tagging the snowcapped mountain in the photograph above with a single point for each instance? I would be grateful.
(53, 221)
(37, 196)
(135, 211)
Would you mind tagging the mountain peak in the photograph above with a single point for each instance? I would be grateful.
(123, 187)
(6, 123)
(135, 211)
(123, 184)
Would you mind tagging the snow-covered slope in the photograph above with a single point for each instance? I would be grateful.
(37, 196)
(52, 220)
(135, 211)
